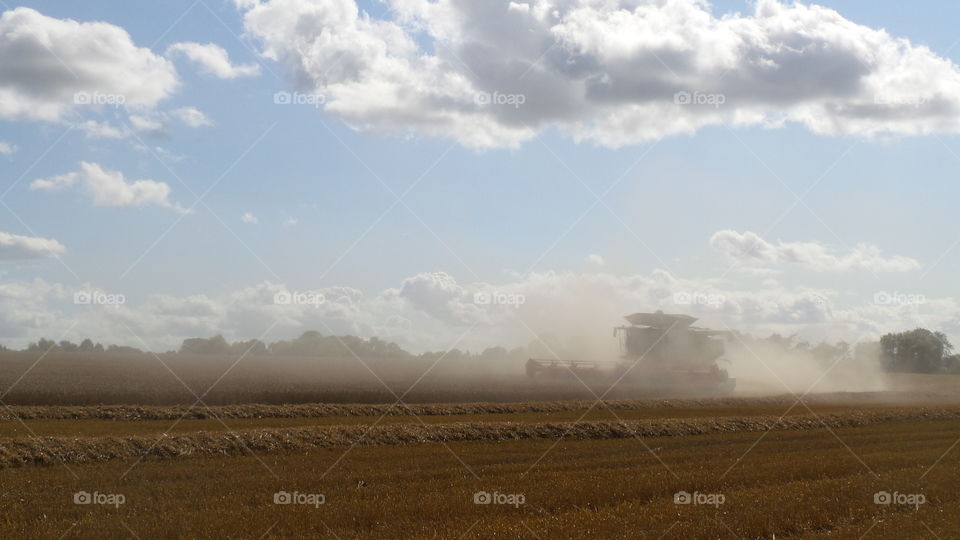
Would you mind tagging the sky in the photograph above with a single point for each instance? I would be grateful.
(466, 174)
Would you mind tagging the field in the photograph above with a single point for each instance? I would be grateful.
(572, 467)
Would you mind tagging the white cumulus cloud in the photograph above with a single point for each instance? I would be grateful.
(614, 72)
(749, 248)
(7, 149)
(101, 130)
(110, 188)
(148, 124)
(213, 60)
(49, 66)
(191, 117)
(15, 246)
(55, 183)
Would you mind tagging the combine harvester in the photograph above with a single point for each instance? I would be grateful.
(659, 352)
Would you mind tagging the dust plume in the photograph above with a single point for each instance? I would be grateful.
(767, 366)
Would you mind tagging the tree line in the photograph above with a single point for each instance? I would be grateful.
(310, 343)
(915, 351)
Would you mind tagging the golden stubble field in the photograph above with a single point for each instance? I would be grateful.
(844, 465)
(791, 484)
(808, 480)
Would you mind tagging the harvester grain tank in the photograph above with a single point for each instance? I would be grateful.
(657, 350)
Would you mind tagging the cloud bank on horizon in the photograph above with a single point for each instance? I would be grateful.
(749, 248)
(433, 310)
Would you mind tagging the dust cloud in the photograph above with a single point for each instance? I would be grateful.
(764, 368)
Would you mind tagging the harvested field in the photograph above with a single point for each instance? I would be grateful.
(605, 469)
(320, 410)
(96, 427)
(51, 450)
(794, 483)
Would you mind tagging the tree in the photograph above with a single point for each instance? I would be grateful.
(214, 345)
(916, 351)
(252, 347)
(88, 346)
(42, 345)
(951, 364)
(122, 349)
(313, 343)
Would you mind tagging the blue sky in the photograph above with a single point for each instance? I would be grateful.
(475, 217)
